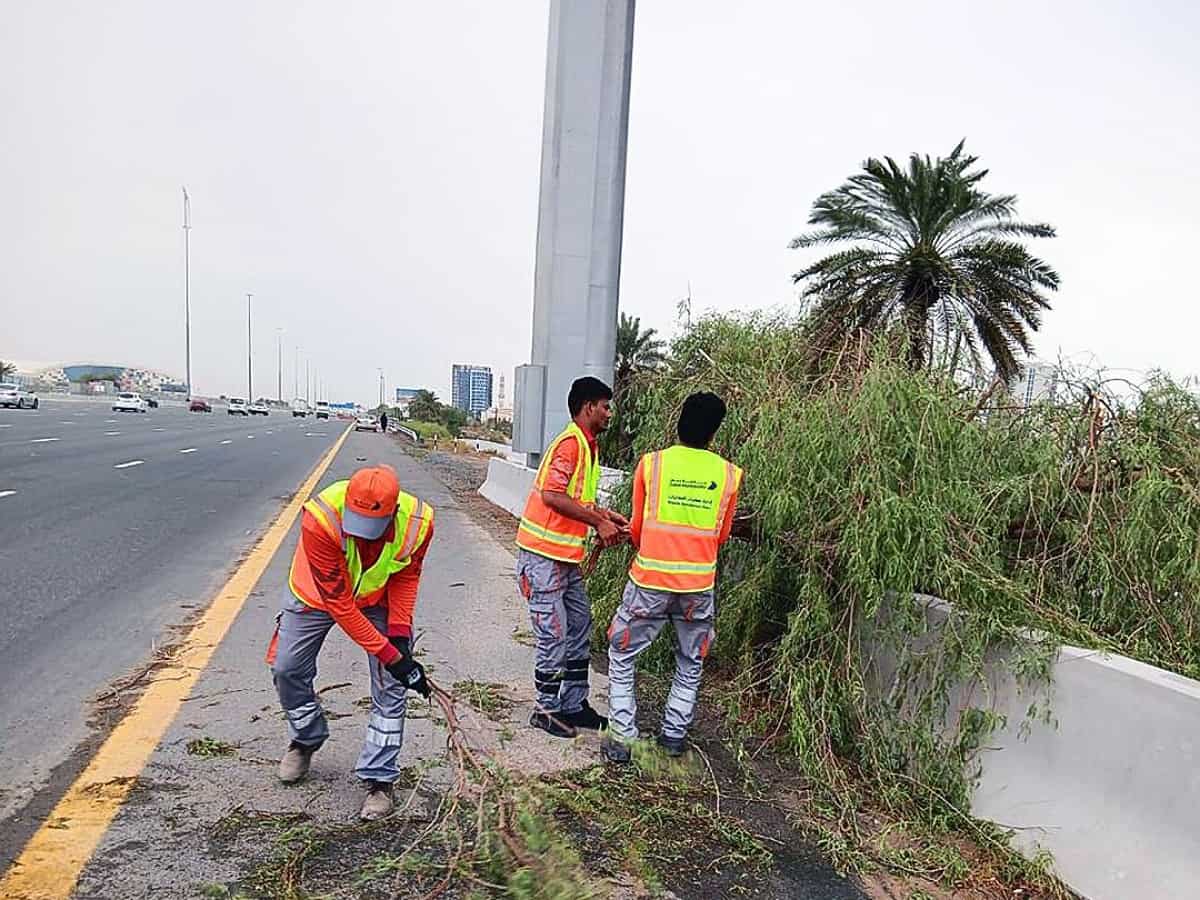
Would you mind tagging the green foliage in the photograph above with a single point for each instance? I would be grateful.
(931, 255)
(429, 430)
(868, 484)
(6, 370)
(425, 408)
(638, 353)
(210, 748)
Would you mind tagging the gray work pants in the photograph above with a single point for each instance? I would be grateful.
(301, 633)
(562, 628)
(640, 617)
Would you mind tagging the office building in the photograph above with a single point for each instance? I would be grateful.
(1039, 382)
(471, 388)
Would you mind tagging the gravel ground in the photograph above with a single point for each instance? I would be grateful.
(462, 474)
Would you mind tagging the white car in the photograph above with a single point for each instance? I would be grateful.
(127, 401)
(14, 395)
(238, 407)
(259, 409)
(366, 423)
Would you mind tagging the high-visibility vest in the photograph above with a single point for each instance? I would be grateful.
(688, 492)
(546, 532)
(413, 518)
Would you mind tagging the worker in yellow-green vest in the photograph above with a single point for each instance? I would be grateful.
(358, 566)
(683, 504)
(554, 527)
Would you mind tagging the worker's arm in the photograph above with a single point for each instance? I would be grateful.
(402, 591)
(639, 503)
(554, 494)
(328, 564)
(727, 525)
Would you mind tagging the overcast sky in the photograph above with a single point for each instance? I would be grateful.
(368, 170)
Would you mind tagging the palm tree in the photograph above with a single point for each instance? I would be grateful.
(6, 370)
(931, 254)
(637, 350)
(425, 407)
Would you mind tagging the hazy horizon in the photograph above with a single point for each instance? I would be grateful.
(370, 173)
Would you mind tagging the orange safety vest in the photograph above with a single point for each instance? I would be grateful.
(688, 492)
(413, 518)
(551, 534)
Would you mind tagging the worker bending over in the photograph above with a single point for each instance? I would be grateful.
(358, 566)
(683, 505)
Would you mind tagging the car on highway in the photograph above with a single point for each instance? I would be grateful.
(366, 422)
(198, 405)
(15, 396)
(322, 409)
(238, 407)
(299, 408)
(128, 401)
(260, 408)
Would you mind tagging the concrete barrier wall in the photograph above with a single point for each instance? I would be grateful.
(508, 483)
(1107, 780)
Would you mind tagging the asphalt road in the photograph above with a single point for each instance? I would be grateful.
(113, 527)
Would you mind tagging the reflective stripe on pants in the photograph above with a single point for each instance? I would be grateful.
(300, 635)
(561, 617)
(640, 617)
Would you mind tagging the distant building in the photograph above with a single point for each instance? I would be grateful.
(1039, 382)
(502, 411)
(471, 389)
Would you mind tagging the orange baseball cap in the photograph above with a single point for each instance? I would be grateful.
(370, 502)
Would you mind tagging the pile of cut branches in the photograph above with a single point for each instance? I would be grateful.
(868, 483)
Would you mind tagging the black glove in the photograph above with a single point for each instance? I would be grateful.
(401, 643)
(411, 674)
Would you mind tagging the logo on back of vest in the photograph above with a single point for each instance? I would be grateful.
(691, 483)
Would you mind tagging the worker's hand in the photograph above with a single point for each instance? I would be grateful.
(616, 518)
(402, 644)
(607, 531)
(411, 674)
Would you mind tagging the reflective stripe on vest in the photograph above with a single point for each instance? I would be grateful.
(410, 528)
(688, 492)
(549, 533)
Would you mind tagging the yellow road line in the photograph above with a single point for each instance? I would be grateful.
(49, 866)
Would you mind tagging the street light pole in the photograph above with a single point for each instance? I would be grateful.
(296, 376)
(381, 387)
(249, 358)
(279, 357)
(187, 289)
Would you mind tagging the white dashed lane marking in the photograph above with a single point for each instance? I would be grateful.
(111, 433)
(126, 465)
(7, 493)
(226, 442)
(44, 440)
(188, 450)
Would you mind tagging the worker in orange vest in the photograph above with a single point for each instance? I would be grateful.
(358, 566)
(560, 510)
(684, 499)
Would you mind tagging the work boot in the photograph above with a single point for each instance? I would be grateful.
(294, 765)
(673, 746)
(552, 724)
(585, 717)
(378, 803)
(614, 750)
